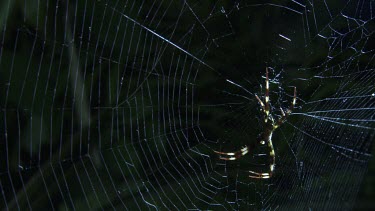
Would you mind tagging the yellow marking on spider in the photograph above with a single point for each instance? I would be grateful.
(230, 158)
(224, 153)
(244, 153)
(261, 174)
(272, 153)
(259, 177)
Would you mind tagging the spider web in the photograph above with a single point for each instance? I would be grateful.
(120, 104)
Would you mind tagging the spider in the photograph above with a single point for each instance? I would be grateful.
(269, 125)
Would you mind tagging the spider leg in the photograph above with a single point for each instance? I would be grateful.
(267, 95)
(294, 100)
(233, 155)
(260, 102)
(272, 161)
(257, 175)
(266, 104)
(285, 114)
(282, 112)
(263, 108)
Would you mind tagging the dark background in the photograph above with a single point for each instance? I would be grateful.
(45, 46)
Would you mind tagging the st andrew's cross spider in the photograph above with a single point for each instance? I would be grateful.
(269, 125)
